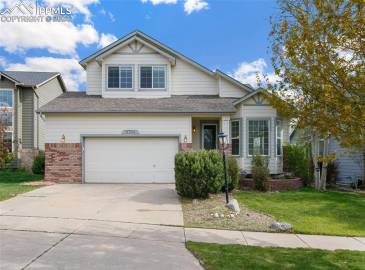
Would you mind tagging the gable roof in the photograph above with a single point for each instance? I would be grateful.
(247, 96)
(80, 102)
(161, 48)
(32, 78)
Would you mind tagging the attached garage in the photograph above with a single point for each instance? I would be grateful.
(129, 159)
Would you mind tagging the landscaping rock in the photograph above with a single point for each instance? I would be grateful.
(233, 205)
(216, 215)
(281, 226)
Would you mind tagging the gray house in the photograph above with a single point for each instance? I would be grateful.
(21, 94)
(350, 163)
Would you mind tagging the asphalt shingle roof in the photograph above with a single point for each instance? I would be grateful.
(79, 102)
(30, 78)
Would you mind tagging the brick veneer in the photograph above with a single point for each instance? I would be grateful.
(63, 162)
(184, 147)
(273, 184)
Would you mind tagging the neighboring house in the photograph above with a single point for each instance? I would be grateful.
(144, 102)
(21, 94)
(350, 163)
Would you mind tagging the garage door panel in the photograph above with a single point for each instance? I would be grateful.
(130, 160)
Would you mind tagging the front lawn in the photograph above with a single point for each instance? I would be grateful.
(227, 257)
(12, 183)
(311, 212)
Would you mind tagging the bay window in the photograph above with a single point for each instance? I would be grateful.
(235, 137)
(279, 137)
(258, 137)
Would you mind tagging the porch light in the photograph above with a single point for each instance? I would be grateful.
(63, 138)
(194, 129)
(185, 139)
(222, 142)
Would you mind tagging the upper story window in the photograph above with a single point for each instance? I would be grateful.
(6, 98)
(235, 134)
(120, 77)
(152, 77)
(258, 137)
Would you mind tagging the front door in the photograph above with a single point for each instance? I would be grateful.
(209, 136)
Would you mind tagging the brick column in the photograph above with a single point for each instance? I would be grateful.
(63, 162)
(184, 147)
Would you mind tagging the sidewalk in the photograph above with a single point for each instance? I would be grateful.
(274, 239)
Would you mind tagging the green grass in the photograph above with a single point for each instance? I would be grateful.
(312, 212)
(11, 183)
(234, 257)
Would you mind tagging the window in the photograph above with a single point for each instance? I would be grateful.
(120, 77)
(6, 116)
(152, 77)
(258, 137)
(279, 138)
(235, 134)
(6, 98)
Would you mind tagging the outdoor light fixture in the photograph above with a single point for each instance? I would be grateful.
(185, 139)
(194, 129)
(223, 142)
(63, 138)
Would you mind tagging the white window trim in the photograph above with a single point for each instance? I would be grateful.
(279, 137)
(11, 128)
(238, 137)
(152, 88)
(248, 134)
(118, 89)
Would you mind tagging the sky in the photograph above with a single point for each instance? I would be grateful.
(230, 35)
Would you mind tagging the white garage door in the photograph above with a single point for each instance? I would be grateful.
(130, 160)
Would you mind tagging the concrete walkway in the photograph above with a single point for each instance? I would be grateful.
(274, 239)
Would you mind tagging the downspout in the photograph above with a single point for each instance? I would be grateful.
(37, 115)
(15, 121)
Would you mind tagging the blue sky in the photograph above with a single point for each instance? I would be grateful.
(230, 35)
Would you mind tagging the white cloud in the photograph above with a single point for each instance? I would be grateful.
(72, 73)
(108, 14)
(247, 72)
(61, 38)
(158, 2)
(194, 5)
(106, 39)
(3, 62)
(79, 6)
(189, 5)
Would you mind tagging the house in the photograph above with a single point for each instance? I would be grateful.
(21, 94)
(349, 162)
(145, 102)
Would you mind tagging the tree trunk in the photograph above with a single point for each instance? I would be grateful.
(363, 169)
(323, 180)
(314, 149)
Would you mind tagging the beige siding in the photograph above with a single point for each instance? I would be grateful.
(74, 125)
(5, 83)
(228, 89)
(261, 112)
(46, 93)
(136, 60)
(93, 78)
(189, 80)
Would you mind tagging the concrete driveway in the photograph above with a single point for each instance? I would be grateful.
(94, 227)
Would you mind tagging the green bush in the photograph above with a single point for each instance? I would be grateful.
(260, 172)
(38, 164)
(198, 173)
(297, 161)
(233, 173)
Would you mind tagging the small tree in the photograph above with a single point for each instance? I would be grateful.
(319, 52)
(4, 149)
(260, 172)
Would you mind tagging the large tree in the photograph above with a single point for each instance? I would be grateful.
(318, 50)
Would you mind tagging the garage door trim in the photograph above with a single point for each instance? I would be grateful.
(85, 136)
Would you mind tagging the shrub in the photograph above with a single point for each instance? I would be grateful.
(198, 173)
(233, 173)
(38, 164)
(260, 172)
(332, 172)
(297, 161)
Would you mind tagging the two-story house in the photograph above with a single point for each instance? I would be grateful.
(145, 102)
(21, 94)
